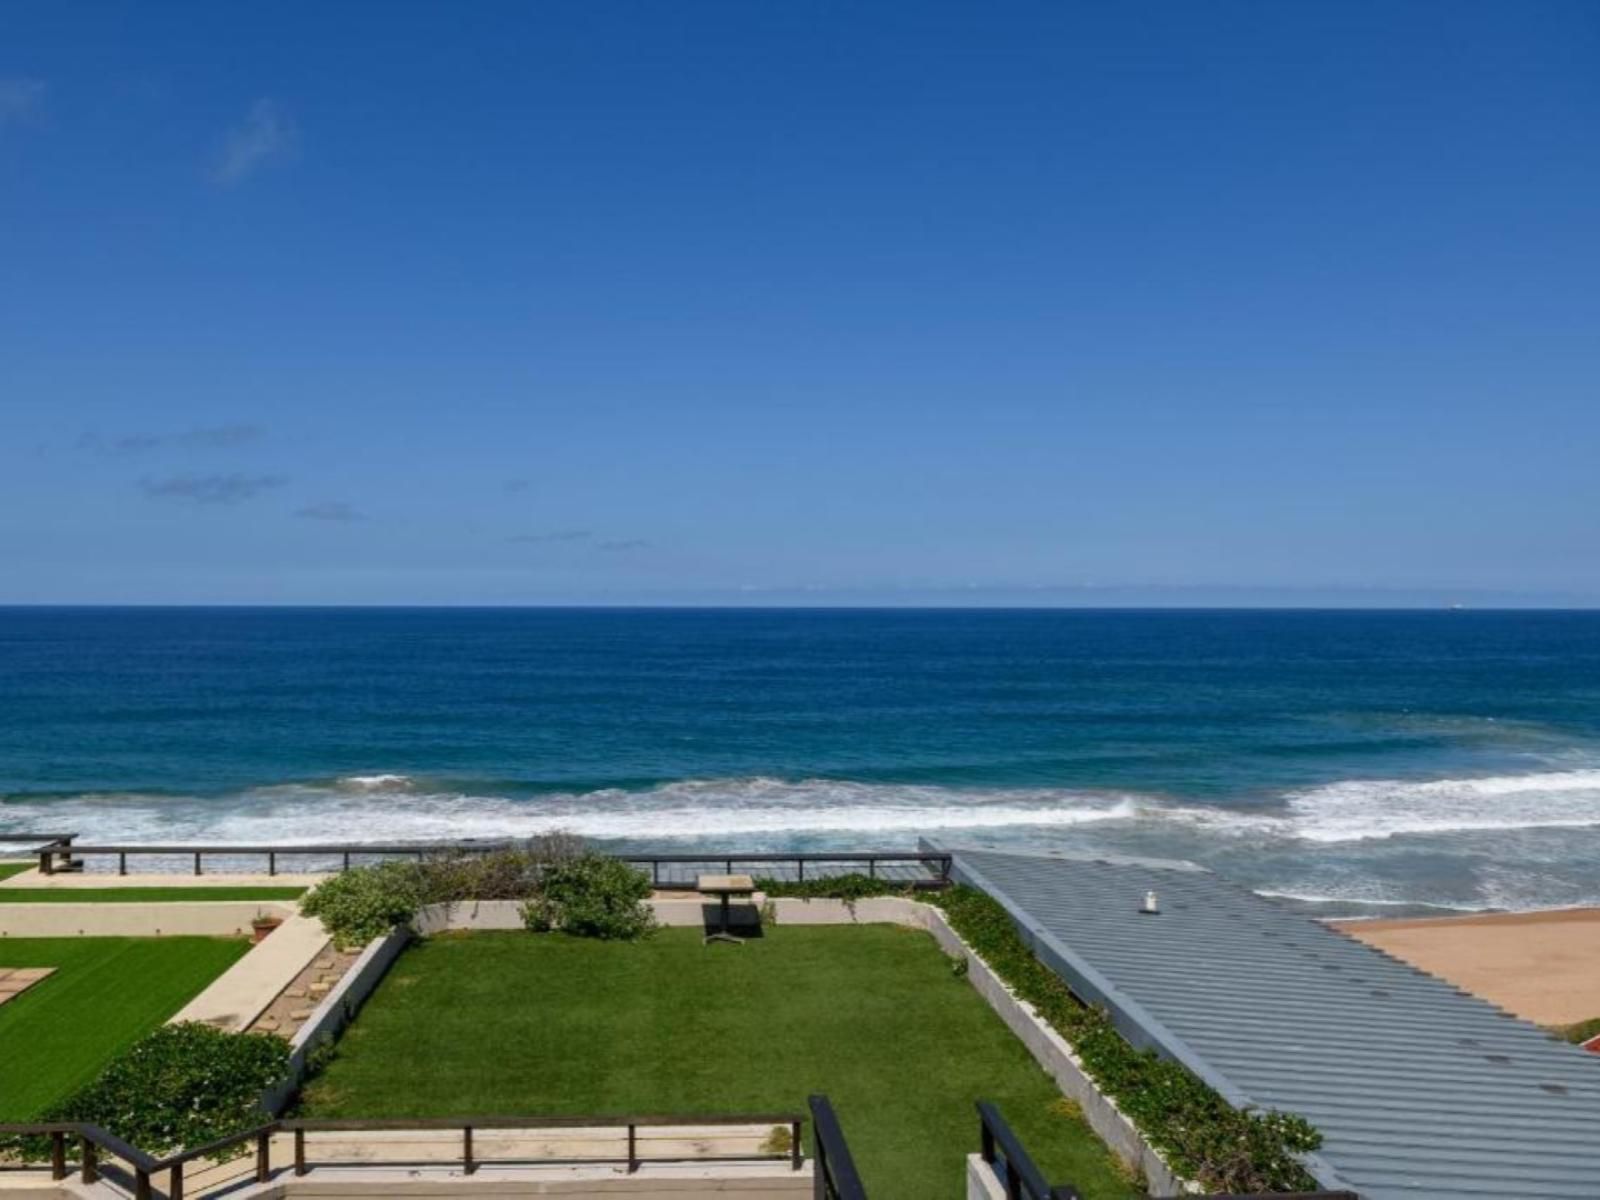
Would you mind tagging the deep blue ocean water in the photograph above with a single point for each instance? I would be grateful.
(1364, 758)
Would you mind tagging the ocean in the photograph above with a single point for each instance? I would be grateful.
(1349, 761)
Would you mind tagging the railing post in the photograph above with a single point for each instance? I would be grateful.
(872, 868)
(197, 862)
(58, 1155)
(175, 1183)
(299, 1151)
(800, 875)
(272, 862)
(1013, 1182)
(47, 864)
(633, 1148)
(794, 1145)
(263, 1157)
(91, 1164)
(122, 862)
(986, 1136)
(347, 860)
(468, 1163)
(141, 1184)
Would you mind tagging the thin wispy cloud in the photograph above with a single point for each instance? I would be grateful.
(213, 437)
(210, 489)
(20, 101)
(622, 546)
(266, 137)
(556, 535)
(330, 510)
(518, 485)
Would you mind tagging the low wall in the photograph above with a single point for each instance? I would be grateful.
(338, 1009)
(178, 918)
(466, 915)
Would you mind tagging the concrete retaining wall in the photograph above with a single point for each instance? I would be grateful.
(179, 918)
(338, 1009)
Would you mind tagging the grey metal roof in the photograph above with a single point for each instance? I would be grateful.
(1420, 1090)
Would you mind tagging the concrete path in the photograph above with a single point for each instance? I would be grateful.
(153, 879)
(242, 993)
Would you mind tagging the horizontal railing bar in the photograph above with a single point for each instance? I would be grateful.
(357, 1124)
(378, 848)
(222, 1143)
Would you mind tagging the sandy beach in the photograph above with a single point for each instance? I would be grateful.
(1543, 966)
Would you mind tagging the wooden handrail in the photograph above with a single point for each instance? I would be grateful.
(93, 1138)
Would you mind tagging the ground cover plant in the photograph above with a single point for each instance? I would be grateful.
(105, 994)
(557, 1025)
(144, 895)
(178, 1086)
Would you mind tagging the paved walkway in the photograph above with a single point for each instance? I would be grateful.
(242, 993)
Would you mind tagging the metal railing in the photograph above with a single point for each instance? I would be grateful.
(1010, 1162)
(92, 1142)
(55, 851)
(833, 1170)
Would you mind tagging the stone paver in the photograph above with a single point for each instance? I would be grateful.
(16, 980)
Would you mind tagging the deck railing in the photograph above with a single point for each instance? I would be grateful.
(1011, 1164)
(93, 1142)
(55, 850)
(833, 1169)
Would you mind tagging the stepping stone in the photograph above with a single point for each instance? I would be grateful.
(300, 1014)
(267, 1023)
(320, 989)
(294, 993)
(16, 980)
(324, 963)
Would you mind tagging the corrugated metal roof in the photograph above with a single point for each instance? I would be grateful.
(1420, 1090)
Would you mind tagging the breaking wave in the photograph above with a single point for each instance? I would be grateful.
(395, 807)
(1356, 810)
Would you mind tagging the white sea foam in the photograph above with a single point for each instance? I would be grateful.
(1356, 810)
(376, 809)
(390, 806)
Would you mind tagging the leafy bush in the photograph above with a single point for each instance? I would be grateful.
(182, 1085)
(362, 903)
(593, 895)
(848, 888)
(366, 902)
(1201, 1134)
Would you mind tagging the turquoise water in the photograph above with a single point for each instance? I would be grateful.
(1367, 759)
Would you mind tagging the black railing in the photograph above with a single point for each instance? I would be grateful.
(834, 1175)
(92, 1142)
(1010, 1162)
(930, 869)
(54, 849)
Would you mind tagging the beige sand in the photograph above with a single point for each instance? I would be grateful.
(1543, 966)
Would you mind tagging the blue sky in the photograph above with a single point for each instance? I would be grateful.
(823, 303)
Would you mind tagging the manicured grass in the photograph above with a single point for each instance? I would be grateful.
(104, 995)
(143, 895)
(869, 1015)
(7, 870)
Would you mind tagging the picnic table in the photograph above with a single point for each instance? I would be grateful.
(724, 887)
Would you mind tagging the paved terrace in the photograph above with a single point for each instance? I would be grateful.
(1421, 1091)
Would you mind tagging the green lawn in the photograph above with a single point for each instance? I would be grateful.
(870, 1015)
(105, 994)
(143, 895)
(8, 869)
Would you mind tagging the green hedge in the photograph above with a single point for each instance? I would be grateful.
(1199, 1133)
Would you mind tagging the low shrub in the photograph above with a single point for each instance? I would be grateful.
(362, 903)
(848, 888)
(182, 1085)
(592, 895)
(366, 902)
(1201, 1135)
